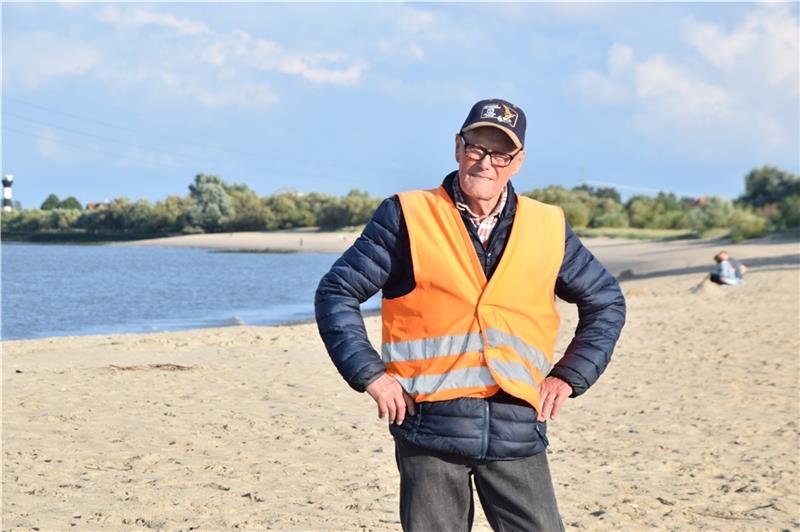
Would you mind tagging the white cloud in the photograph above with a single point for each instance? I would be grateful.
(770, 129)
(137, 17)
(736, 90)
(416, 51)
(662, 84)
(765, 44)
(47, 146)
(409, 32)
(402, 49)
(607, 88)
(619, 58)
(216, 69)
(311, 68)
(597, 87)
(70, 5)
(239, 47)
(415, 20)
(29, 60)
(248, 96)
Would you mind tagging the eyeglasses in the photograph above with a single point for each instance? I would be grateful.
(477, 153)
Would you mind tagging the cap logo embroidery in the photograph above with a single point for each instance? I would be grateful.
(508, 117)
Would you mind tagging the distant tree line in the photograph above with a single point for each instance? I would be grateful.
(771, 202)
(211, 206)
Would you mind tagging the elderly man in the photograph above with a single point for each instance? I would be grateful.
(468, 377)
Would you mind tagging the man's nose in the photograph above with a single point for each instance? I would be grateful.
(485, 162)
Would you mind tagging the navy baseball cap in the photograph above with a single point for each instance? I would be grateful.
(500, 114)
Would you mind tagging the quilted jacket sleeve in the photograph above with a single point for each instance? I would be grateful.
(583, 281)
(355, 277)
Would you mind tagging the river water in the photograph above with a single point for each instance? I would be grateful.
(57, 290)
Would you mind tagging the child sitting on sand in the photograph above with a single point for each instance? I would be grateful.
(728, 271)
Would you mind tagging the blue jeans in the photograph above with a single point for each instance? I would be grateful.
(436, 492)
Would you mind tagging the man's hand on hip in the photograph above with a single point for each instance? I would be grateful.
(391, 398)
(553, 392)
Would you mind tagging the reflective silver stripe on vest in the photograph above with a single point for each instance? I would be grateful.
(432, 347)
(513, 371)
(534, 356)
(460, 378)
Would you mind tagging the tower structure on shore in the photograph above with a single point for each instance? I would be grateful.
(8, 179)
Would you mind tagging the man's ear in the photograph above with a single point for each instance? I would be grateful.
(458, 149)
(516, 164)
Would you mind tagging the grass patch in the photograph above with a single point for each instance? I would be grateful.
(74, 237)
(635, 233)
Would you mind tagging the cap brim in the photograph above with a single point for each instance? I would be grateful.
(507, 131)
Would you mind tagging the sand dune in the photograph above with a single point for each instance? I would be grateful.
(693, 426)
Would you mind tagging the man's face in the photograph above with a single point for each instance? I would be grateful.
(481, 180)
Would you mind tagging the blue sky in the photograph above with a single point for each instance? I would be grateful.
(109, 100)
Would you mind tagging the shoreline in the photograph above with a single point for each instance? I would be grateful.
(627, 259)
(288, 323)
(292, 241)
(617, 254)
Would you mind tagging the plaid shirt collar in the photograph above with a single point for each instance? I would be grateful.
(477, 219)
(484, 225)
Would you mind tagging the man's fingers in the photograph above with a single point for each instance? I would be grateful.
(559, 400)
(401, 410)
(392, 410)
(553, 392)
(391, 399)
(546, 405)
(411, 406)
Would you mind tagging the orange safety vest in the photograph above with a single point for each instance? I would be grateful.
(457, 335)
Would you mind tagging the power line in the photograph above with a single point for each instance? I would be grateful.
(119, 126)
(110, 139)
(61, 142)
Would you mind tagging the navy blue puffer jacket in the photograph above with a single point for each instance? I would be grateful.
(500, 427)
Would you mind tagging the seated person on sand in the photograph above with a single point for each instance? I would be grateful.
(729, 271)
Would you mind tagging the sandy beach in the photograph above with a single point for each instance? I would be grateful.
(694, 425)
(642, 258)
(299, 240)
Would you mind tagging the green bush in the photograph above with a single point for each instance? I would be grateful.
(789, 209)
(712, 212)
(611, 219)
(609, 213)
(50, 202)
(334, 214)
(70, 203)
(767, 185)
(745, 224)
(577, 204)
(25, 221)
(212, 207)
(577, 214)
(62, 219)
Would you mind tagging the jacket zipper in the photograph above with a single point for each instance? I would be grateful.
(485, 438)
